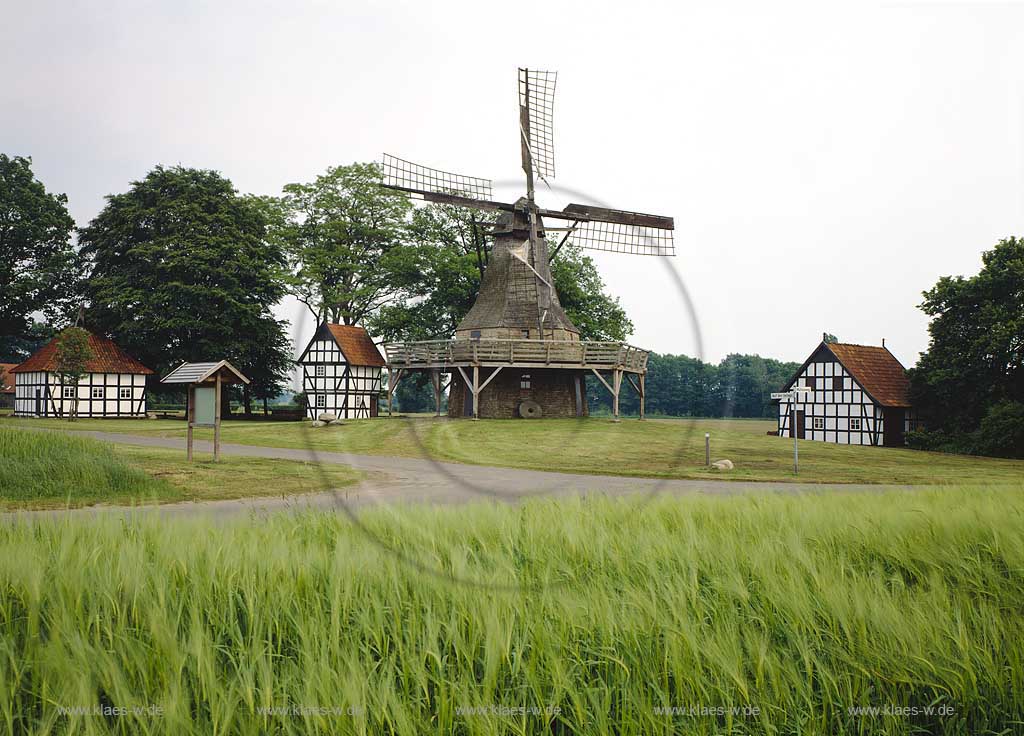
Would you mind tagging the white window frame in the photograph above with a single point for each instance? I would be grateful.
(98, 392)
(320, 371)
(124, 392)
(817, 422)
(525, 382)
(321, 401)
(855, 424)
(68, 392)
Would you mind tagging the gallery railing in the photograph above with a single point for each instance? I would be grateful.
(556, 353)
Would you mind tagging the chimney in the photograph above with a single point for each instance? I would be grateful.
(883, 342)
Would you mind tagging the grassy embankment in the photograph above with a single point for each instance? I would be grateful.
(654, 448)
(791, 609)
(52, 470)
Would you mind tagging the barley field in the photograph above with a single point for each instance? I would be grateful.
(894, 612)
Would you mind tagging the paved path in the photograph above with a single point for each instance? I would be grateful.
(416, 480)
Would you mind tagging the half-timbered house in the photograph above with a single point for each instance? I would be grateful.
(858, 396)
(341, 372)
(114, 385)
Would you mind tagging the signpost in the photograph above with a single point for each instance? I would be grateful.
(204, 392)
(791, 396)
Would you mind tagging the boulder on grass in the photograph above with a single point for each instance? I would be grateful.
(327, 417)
(722, 465)
(318, 423)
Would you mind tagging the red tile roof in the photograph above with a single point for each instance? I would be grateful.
(356, 344)
(7, 380)
(877, 371)
(107, 358)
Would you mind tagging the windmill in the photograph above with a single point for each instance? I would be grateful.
(517, 321)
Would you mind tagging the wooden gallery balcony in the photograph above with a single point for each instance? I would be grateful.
(445, 354)
(468, 356)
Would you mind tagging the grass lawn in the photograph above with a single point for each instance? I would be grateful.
(791, 609)
(44, 470)
(671, 448)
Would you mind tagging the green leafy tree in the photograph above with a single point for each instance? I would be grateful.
(973, 371)
(40, 271)
(73, 355)
(16, 348)
(346, 241)
(183, 270)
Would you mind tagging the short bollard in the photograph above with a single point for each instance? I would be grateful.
(707, 449)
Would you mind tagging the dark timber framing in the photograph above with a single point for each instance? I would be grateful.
(44, 388)
(346, 389)
(836, 407)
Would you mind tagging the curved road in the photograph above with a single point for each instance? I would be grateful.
(418, 480)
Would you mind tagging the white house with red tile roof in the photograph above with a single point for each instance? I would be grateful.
(858, 396)
(341, 369)
(113, 387)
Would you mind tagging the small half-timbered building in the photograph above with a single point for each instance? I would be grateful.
(114, 385)
(858, 396)
(341, 372)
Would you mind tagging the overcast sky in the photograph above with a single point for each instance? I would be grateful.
(824, 164)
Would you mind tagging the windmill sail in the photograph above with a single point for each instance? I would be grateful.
(409, 177)
(619, 231)
(537, 120)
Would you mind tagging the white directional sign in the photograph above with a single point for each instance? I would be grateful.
(793, 395)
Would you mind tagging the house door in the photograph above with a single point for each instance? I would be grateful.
(798, 424)
(892, 433)
(39, 404)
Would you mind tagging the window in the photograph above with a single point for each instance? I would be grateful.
(526, 334)
(837, 383)
(97, 392)
(69, 392)
(474, 334)
(524, 381)
(124, 393)
(321, 401)
(819, 422)
(854, 423)
(321, 370)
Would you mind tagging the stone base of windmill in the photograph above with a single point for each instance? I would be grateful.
(551, 393)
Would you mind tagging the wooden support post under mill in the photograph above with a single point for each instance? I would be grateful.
(617, 383)
(476, 392)
(435, 380)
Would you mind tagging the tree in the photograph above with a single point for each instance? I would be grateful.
(16, 348)
(73, 355)
(346, 241)
(973, 371)
(829, 338)
(183, 270)
(39, 268)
